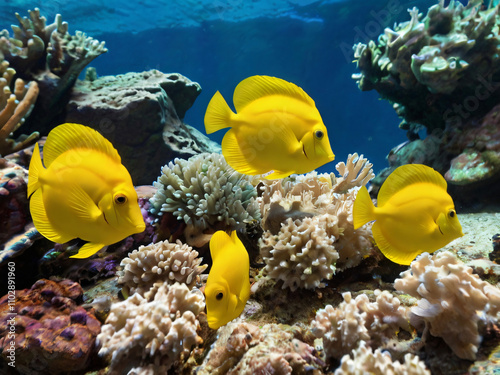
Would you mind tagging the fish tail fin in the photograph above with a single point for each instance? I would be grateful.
(363, 209)
(218, 114)
(34, 171)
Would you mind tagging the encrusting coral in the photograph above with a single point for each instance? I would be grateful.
(452, 301)
(157, 331)
(309, 233)
(356, 320)
(366, 361)
(52, 332)
(207, 194)
(162, 261)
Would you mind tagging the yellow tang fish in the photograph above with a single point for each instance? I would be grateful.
(84, 191)
(414, 214)
(277, 129)
(228, 283)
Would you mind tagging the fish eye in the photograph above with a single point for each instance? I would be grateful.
(219, 296)
(120, 199)
(451, 213)
(318, 134)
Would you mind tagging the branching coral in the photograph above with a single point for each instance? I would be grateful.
(308, 226)
(366, 361)
(206, 194)
(14, 108)
(355, 320)
(159, 331)
(162, 261)
(243, 348)
(452, 301)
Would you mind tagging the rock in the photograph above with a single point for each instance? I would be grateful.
(139, 113)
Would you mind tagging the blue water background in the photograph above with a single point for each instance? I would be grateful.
(309, 45)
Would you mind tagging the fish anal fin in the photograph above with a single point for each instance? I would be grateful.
(399, 256)
(407, 175)
(41, 221)
(72, 136)
(256, 87)
(240, 160)
(276, 175)
(87, 250)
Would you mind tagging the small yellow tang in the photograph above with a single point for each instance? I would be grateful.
(228, 284)
(276, 131)
(414, 214)
(84, 191)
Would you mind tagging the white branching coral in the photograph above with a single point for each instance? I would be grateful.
(162, 261)
(365, 361)
(452, 300)
(302, 254)
(309, 232)
(358, 319)
(161, 331)
(206, 193)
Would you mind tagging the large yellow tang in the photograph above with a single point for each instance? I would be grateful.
(276, 131)
(228, 283)
(84, 191)
(414, 214)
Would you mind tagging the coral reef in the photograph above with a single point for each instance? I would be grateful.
(114, 105)
(446, 63)
(48, 54)
(364, 360)
(453, 303)
(357, 320)
(14, 108)
(162, 261)
(309, 233)
(207, 194)
(244, 348)
(159, 331)
(52, 333)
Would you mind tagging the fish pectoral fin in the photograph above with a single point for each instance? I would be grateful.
(393, 254)
(41, 221)
(82, 205)
(87, 250)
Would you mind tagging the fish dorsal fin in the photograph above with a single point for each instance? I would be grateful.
(218, 243)
(255, 87)
(407, 175)
(70, 136)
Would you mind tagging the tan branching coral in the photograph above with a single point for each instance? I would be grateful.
(358, 319)
(159, 332)
(366, 361)
(243, 348)
(307, 220)
(162, 261)
(205, 193)
(452, 300)
(14, 108)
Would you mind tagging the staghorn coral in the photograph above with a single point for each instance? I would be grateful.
(364, 361)
(244, 348)
(206, 194)
(158, 331)
(309, 233)
(162, 261)
(358, 319)
(52, 333)
(453, 303)
(15, 107)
